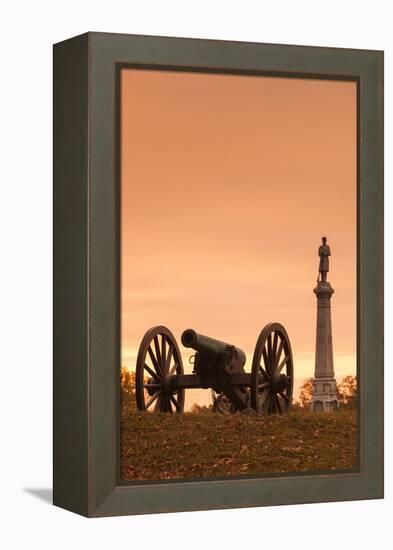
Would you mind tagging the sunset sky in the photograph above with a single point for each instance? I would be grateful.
(228, 184)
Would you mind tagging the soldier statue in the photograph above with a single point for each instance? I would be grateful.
(323, 253)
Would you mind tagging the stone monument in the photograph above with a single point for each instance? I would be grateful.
(324, 396)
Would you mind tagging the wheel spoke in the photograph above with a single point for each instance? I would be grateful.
(154, 361)
(264, 385)
(163, 353)
(278, 354)
(283, 362)
(283, 402)
(174, 368)
(277, 401)
(163, 403)
(152, 399)
(158, 354)
(264, 373)
(268, 400)
(264, 398)
(273, 403)
(266, 361)
(169, 405)
(285, 397)
(157, 405)
(269, 353)
(175, 402)
(169, 357)
(152, 373)
(274, 351)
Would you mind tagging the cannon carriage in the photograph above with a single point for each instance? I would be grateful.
(161, 381)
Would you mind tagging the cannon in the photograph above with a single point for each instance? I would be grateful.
(160, 381)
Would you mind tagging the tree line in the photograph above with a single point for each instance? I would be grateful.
(346, 391)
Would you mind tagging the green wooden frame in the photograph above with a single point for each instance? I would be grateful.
(86, 273)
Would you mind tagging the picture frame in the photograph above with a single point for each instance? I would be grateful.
(86, 385)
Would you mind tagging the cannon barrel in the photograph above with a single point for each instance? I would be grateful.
(209, 347)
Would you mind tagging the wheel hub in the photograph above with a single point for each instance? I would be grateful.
(166, 385)
(279, 382)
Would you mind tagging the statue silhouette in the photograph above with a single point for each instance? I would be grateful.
(323, 253)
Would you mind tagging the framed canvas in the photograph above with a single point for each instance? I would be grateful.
(210, 350)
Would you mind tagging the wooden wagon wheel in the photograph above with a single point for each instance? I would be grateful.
(272, 371)
(158, 361)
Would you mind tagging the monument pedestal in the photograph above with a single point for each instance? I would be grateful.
(324, 396)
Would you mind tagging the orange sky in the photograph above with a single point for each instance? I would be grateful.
(228, 184)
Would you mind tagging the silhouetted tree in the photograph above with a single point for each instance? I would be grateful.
(196, 408)
(346, 391)
(305, 393)
(127, 389)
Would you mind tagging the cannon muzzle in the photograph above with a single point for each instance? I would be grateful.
(208, 347)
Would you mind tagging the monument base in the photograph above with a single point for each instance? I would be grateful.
(324, 398)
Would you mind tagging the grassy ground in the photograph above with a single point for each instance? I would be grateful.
(193, 445)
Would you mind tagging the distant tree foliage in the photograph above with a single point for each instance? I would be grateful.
(196, 408)
(127, 391)
(346, 391)
(305, 393)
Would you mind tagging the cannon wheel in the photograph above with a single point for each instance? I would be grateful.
(272, 371)
(158, 360)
